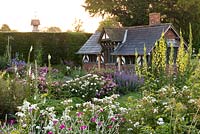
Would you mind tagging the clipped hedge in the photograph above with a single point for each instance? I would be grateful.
(61, 46)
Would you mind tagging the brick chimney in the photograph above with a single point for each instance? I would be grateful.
(154, 18)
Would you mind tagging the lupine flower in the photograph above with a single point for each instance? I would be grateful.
(83, 127)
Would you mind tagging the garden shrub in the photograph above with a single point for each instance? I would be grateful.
(89, 86)
(12, 94)
(3, 63)
(167, 111)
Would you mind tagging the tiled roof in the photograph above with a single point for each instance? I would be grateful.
(115, 34)
(136, 38)
(139, 36)
(91, 46)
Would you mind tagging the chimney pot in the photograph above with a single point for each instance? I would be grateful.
(154, 18)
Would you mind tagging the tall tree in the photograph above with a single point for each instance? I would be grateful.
(5, 28)
(135, 12)
(78, 25)
(110, 22)
(53, 29)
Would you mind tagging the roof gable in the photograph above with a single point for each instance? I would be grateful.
(91, 46)
(114, 34)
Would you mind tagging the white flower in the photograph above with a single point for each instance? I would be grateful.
(33, 107)
(123, 110)
(78, 105)
(50, 109)
(191, 101)
(20, 114)
(48, 127)
(155, 110)
(38, 127)
(24, 125)
(164, 103)
(49, 57)
(153, 100)
(95, 99)
(160, 121)
(136, 124)
(129, 129)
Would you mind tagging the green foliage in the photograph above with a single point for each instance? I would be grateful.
(3, 63)
(166, 111)
(109, 22)
(12, 94)
(5, 28)
(61, 46)
(85, 87)
(53, 29)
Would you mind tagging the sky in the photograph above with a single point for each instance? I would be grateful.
(17, 14)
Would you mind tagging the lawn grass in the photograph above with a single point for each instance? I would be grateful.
(123, 100)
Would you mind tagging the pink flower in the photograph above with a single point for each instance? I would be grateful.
(123, 119)
(50, 132)
(93, 119)
(70, 129)
(62, 126)
(83, 127)
(110, 126)
(101, 110)
(113, 119)
(55, 122)
(11, 122)
(99, 123)
(79, 114)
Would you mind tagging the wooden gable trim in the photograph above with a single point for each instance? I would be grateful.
(176, 33)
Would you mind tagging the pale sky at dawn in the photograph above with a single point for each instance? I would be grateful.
(61, 13)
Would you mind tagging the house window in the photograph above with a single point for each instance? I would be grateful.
(172, 41)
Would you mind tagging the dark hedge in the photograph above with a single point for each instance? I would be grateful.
(61, 46)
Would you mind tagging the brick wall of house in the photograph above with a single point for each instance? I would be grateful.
(170, 34)
(114, 67)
